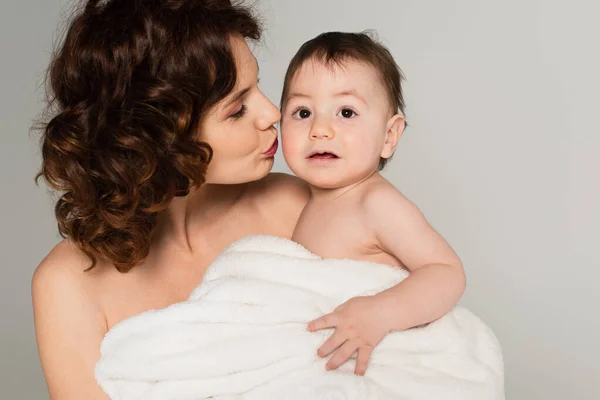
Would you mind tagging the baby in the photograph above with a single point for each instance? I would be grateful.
(342, 117)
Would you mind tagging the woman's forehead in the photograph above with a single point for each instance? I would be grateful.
(245, 61)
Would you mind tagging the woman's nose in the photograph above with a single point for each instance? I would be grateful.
(269, 115)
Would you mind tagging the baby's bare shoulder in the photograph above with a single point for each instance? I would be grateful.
(382, 195)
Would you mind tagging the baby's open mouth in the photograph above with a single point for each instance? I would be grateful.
(323, 155)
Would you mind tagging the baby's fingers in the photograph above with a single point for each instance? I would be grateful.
(341, 355)
(362, 360)
(334, 341)
(324, 322)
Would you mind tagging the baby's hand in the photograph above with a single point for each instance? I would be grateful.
(359, 324)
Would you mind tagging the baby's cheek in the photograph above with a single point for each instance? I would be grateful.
(289, 148)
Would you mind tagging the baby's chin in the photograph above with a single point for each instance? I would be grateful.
(334, 178)
(327, 183)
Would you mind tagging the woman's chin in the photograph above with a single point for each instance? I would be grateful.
(263, 169)
(255, 174)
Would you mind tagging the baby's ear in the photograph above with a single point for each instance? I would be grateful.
(394, 129)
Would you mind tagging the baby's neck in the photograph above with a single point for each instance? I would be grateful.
(352, 189)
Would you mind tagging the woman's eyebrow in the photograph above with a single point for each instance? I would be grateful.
(242, 92)
(238, 95)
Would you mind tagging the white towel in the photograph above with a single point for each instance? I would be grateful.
(242, 335)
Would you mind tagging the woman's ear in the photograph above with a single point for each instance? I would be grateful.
(394, 129)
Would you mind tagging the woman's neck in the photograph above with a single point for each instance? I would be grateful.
(188, 214)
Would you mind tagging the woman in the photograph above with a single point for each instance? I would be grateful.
(160, 144)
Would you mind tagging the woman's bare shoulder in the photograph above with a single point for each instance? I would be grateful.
(61, 278)
(278, 184)
(281, 197)
(64, 266)
(281, 190)
(69, 323)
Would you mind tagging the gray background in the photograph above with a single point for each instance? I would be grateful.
(501, 156)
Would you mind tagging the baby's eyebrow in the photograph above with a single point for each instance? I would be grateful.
(353, 93)
(297, 94)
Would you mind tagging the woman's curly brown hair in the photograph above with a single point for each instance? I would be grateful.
(128, 87)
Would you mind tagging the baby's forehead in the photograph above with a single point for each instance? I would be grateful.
(348, 76)
(345, 65)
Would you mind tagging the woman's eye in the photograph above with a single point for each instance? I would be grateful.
(303, 113)
(239, 114)
(347, 113)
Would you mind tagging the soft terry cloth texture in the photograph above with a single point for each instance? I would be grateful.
(242, 335)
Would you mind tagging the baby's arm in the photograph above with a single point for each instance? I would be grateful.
(434, 286)
(437, 279)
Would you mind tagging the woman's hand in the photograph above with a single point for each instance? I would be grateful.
(360, 324)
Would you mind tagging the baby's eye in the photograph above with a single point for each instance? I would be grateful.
(347, 113)
(302, 113)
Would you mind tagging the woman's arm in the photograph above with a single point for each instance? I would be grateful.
(69, 326)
